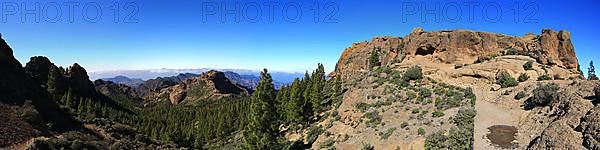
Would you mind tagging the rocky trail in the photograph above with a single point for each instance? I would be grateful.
(488, 114)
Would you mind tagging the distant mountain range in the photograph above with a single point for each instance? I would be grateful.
(282, 77)
(142, 86)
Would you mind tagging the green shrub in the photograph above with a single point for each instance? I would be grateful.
(374, 58)
(528, 65)
(436, 141)
(327, 143)
(464, 118)
(481, 59)
(404, 124)
(436, 114)
(362, 106)
(543, 95)
(411, 95)
(415, 111)
(388, 133)
(505, 80)
(424, 92)
(470, 95)
(313, 133)
(413, 73)
(367, 147)
(520, 95)
(373, 118)
(421, 131)
(30, 114)
(456, 139)
(544, 77)
(523, 77)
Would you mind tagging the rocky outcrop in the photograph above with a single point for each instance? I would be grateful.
(211, 85)
(590, 126)
(460, 47)
(80, 81)
(38, 68)
(570, 122)
(118, 92)
(14, 83)
(155, 85)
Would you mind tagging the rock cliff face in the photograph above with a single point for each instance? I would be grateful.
(210, 85)
(38, 68)
(80, 81)
(460, 47)
(13, 85)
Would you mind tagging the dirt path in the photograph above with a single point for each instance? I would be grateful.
(489, 114)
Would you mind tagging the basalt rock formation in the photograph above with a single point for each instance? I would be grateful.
(210, 85)
(460, 47)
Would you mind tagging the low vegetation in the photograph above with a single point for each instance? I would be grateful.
(436, 114)
(523, 77)
(542, 95)
(413, 73)
(404, 124)
(421, 131)
(373, 119)
(460, 137)
(374, 58)
(544, 77)
(528, 65)
(505, 80)
(520, 95)
(385, 135)
(367, 147)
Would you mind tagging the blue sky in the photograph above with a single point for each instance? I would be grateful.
(172, 34)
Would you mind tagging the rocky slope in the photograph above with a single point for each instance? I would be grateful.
(119, 92)
(15, 83)
(38, 110)
(464, 59)
(211, 85)
(154, 85)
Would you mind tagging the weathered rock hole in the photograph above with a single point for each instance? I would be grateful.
(428, 50)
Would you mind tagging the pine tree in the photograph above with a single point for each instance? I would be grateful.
(294, 104)
(53, 79)
(592, 72)
(81, 105)
(316, 89)
(261, 131)
(69, 98)
(337, 91)
(374, 59)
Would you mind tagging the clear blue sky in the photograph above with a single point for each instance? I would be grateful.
(172, 34)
